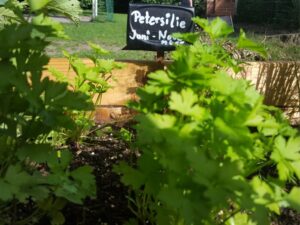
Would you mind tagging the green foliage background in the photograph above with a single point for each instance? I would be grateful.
(211, 151)
(34, 172)
(280, 13)
(198, 4)
(86, 4)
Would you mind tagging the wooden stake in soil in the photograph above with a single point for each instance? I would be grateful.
(160, 56)
(95, 9)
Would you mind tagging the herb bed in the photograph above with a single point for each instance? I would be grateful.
(110, 206)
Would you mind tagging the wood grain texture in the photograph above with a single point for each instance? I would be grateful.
(124, 85)
(220, 7)
(279, 82)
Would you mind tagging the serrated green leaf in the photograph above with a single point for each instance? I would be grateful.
(240, 219)
(69, 8)
(6, 16)
(53, 27)
(98, 49)
(35, 152)
(161, 77)
(70, 192)
(83, 175)
(131, 222)
(217, 28)
(296, 167)
(223, 83)
(79, 67)
(245, 43)
(254, 120)
(74, 101)
(68, 188)
(59, 76)
(290, 150)
(293, 198)
(59, 164)
(19, 180)
(184, 102)
(57, 218)
(6, 193)
(225, 128)
(293, 149)
(39, 193)
(162, 121)
(269, 127)
(178, 201)
(283, 171)
(9, 69)
(130, 176)
(262, 189)
(106, 66)
(287, 156)
(54, 90)
(187, 37)
(38, 4)
(212, 160)
(16, 176)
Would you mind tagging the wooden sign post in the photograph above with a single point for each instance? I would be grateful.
(224, 9)
(95, 9)
(188, 3)
(150, 27)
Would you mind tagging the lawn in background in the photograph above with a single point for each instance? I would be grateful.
(277, 49)
(109, 35)
(112, 36)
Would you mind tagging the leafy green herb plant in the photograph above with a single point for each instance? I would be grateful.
(91, 80)
(211, 151)
(33, 106)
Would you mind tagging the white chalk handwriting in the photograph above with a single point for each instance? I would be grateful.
(169, 19)
(153, 27)
(163, 37)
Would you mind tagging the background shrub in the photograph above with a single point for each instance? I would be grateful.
(211, 151)
(86, 4)
(280, 13)
(198, 4)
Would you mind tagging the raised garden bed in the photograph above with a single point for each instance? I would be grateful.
(279, 82)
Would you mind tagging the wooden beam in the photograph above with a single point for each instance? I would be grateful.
(279, 82)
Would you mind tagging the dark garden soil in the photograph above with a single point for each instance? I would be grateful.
(102, 151)
(287, 217)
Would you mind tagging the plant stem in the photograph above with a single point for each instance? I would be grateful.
(14, 218)
(267, 163)
(231, 215)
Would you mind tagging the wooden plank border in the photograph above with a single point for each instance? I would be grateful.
(279, 82)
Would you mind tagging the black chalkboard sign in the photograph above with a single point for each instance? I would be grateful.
(150, 27)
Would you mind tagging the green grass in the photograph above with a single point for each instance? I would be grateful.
(112, 33)
(283, 51)
(112, 36)
(277, 50)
